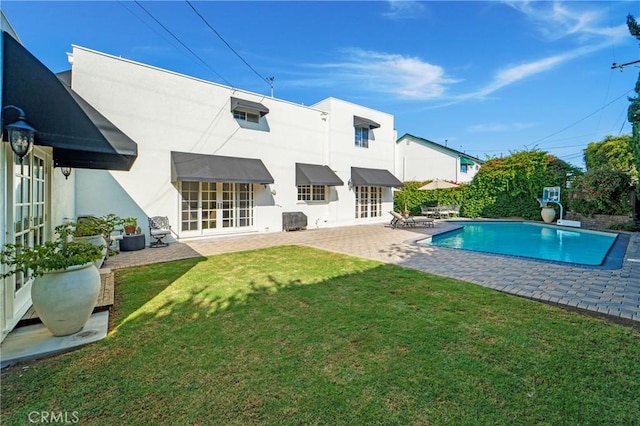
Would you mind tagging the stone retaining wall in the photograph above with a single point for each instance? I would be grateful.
(598, 221)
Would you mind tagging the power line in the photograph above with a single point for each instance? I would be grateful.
(269, 80)
(582, 119)
(184, 45)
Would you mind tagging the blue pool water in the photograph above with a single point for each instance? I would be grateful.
(530, 240)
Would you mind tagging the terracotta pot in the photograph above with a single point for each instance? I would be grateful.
(130, 229)
(64, 300)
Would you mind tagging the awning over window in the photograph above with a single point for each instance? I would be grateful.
(467, 161)
(81, 137)
(244, 105)
(190, 167)
(364, 122)
(373, 177)
(313, 174)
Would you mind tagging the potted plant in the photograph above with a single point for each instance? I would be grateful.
(130, 225)
(94, 229)
(66, 282)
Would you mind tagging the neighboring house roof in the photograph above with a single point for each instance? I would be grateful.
(444, 149)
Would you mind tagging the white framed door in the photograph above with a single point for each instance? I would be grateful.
(26, 220)
(209, 208)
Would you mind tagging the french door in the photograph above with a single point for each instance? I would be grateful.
(215, 207)
(28, 211)
(368, 201)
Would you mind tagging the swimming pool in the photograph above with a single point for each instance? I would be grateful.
(531, 240)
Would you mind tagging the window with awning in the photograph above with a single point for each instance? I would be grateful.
(313, 181)
(248, 110)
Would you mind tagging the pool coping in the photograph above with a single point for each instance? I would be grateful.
(613, 259)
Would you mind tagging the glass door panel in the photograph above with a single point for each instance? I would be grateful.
(189, 206)
(244, 195)
(228, 205)
(209, 194)
(30, 206)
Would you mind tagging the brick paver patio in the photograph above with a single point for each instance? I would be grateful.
(612, 292)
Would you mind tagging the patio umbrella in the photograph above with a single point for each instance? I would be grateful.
(438, 184)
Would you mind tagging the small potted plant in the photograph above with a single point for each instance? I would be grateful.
(130, 225)
(66, 282)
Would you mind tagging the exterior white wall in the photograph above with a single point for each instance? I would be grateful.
(416, 161)
(6, 317)
(63, 201)
(163, 111)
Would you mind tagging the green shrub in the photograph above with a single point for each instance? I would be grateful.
(601, 191)
(509, 186)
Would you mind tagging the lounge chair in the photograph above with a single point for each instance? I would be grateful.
(411, 221)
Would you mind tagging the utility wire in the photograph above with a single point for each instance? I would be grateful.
(582, 119)
(269, 80)
(184, 45)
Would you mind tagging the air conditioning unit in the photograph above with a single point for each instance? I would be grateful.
(294, 221)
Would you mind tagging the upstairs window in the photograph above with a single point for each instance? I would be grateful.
(248, 110)
(363, 134)
(247, 116)
(466, 164)
(362, 137)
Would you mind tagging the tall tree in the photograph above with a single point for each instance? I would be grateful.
(614, 152)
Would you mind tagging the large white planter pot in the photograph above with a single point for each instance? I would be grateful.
(64, 300)
(97, 240)
(548, 214)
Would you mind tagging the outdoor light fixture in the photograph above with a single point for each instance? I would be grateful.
(21, 134)
(66, 171)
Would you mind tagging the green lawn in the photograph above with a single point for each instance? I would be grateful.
(294, 335)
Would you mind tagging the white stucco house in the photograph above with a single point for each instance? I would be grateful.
(216, 159)
(419, 159)
(143, 141)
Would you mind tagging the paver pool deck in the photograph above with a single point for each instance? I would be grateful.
(613, 292)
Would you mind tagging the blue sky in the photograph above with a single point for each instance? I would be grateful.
(487, 78)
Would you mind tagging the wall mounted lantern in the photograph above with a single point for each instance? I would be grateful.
(66, 171)
(21, 134)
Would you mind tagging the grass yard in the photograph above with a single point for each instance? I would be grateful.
(294, 335)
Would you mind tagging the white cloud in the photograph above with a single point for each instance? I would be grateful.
(402, 76)
(405, 9)
(556, 20)
(513, 74)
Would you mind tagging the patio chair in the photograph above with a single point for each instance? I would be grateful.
(429, 211)
(159, 228)
(411, 221)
